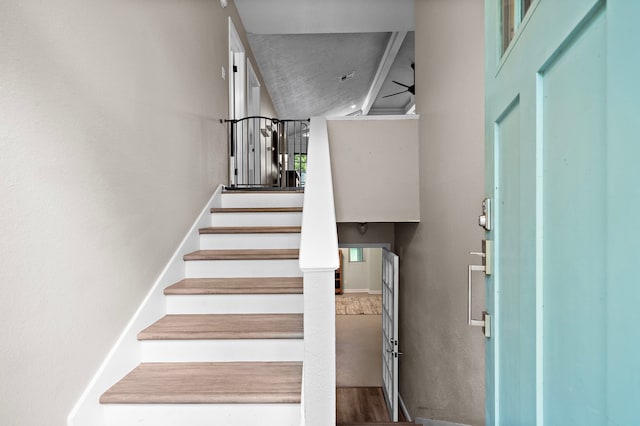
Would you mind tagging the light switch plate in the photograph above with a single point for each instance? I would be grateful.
(224, 73)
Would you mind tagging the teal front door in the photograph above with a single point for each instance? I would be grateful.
(563, 172)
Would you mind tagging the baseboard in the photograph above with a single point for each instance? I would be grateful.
(430, 422)
(361, 290)
(404, 409)
(125, 353)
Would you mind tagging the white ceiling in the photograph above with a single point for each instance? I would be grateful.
(303, 47)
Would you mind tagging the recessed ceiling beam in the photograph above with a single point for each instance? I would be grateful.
(387, 60)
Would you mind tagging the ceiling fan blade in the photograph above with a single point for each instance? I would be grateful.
(393, 94)
(401, 84)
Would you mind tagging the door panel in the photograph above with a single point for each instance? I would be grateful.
(562, 132)
(622, 213)
(573, 112)
(515, 286)
(390, 331)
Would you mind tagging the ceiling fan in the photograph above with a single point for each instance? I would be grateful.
(411, 89)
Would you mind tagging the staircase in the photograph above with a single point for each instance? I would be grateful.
(229, 350)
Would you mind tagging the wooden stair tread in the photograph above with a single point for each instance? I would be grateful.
(248, 254)
(208, 383)
(251, 230)
(256, 210)
(376, 424)
(275, 285)
(225, 326)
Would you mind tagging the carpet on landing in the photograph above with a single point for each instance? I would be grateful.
(370, 304)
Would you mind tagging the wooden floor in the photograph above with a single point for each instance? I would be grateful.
(362, 405)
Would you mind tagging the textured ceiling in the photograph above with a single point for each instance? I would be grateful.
(303, 71)
(303, 47)
(401, 72)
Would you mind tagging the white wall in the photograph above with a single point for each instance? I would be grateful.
(363, 276)
(375, 269)
(442, 369)
(374, 163)
(110, 144)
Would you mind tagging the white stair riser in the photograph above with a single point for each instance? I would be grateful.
(287, 199)
(202, 414)
(249, 241)
(242, 268)
(230, 350)
(257, 219)
(235, 304)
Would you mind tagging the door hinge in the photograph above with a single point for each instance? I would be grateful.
(235, 172)
(235, 68)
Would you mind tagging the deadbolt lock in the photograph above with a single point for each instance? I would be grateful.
(484, 220)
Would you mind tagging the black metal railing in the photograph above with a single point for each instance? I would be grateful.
(267, 152)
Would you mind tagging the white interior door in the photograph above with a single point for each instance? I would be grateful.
(390, 331)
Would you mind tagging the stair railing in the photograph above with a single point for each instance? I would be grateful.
(318, 262)
(267, 152)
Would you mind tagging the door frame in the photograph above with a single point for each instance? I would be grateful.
(383, 246)
(253, 110)
(237, 97)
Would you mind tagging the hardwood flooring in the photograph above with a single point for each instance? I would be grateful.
(356, 406)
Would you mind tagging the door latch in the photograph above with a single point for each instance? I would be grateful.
(486, 328)
(487, 256)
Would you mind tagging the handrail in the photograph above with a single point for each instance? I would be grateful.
(275, 120)
(319, 238)
(318, 262)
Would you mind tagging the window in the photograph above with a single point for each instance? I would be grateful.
(300, 165)
(356, 254)
(513, 12)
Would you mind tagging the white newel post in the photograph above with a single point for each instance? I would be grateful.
(318, 262)
(320, 348)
